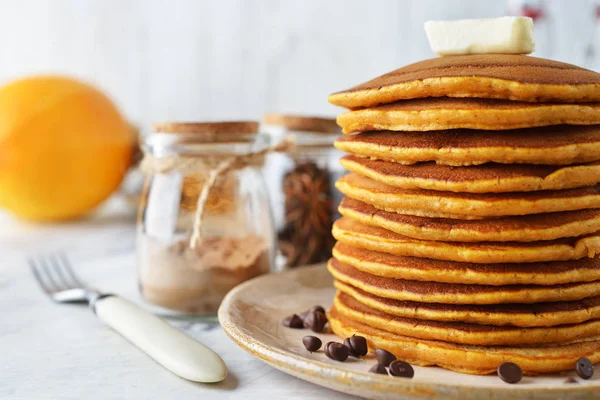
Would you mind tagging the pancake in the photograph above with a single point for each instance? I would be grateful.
(453, 293)
(422, 269)
(356, 234)
(533, 359)
(486, 178)
(451, 113)
(493, 76)
(524, 228)
(431, 203)
(461, 332)
(554, 145)
(523, 315)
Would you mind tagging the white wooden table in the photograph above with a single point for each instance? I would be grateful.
(50, 351)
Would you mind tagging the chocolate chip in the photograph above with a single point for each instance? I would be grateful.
(350, 349)
(378, 369)
(312, 343)
(384, 357)
(316, 321)
(510, 372)
(402, 369)
(317, 308)
(293, 321)
(310, 310)
(336, 351)
(358, 345)
(326, 349)
(584, 368)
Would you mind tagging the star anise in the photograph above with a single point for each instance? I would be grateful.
(309, 211)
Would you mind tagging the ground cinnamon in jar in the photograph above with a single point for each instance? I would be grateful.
(205, 223)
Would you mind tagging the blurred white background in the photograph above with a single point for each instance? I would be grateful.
(197, 59)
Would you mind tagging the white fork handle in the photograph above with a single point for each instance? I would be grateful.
(167, 345)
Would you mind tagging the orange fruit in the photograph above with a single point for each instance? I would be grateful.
(64, 148)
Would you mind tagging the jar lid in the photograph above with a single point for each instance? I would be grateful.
(217, 127)
(303, 123)
(209, 132)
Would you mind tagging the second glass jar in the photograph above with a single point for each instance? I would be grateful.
(302, 189)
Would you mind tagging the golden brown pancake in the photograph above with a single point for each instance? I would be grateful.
(429, 270)
(554, 145)
(486, 178)
(440, 113)
(493, 76)
(461, 332)
(470, 359)
(524, 228)
(453, 293)
(430, 203)
(356, 234)
(524, 315)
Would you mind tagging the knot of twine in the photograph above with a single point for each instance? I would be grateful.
(216, 165)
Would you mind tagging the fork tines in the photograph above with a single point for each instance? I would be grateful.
(53, 272)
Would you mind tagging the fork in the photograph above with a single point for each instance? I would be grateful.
(167, 345)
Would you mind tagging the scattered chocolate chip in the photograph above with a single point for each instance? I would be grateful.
(358, 345)
(326, 349)
(384, 357)
(378, 369)
(402, 369)
(584, 368)
(571, 380)
(350, 349)
(316, 321)
(510, 372)
(336, 351)
(312, 343)
(293, 321)
(311, 310)
(317, 308)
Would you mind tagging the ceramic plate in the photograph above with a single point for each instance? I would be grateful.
(251, 315)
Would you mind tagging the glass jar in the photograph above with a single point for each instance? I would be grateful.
(204, 222)
(301, 187)
(133, 181)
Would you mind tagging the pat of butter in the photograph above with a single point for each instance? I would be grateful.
(505, 35)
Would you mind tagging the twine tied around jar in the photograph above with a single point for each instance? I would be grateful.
(216, 165)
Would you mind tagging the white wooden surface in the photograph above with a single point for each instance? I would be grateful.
(215, 59)
(50, 351)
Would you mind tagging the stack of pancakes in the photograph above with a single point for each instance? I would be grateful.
(471, 220)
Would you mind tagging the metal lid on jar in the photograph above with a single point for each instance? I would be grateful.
(301, 123)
